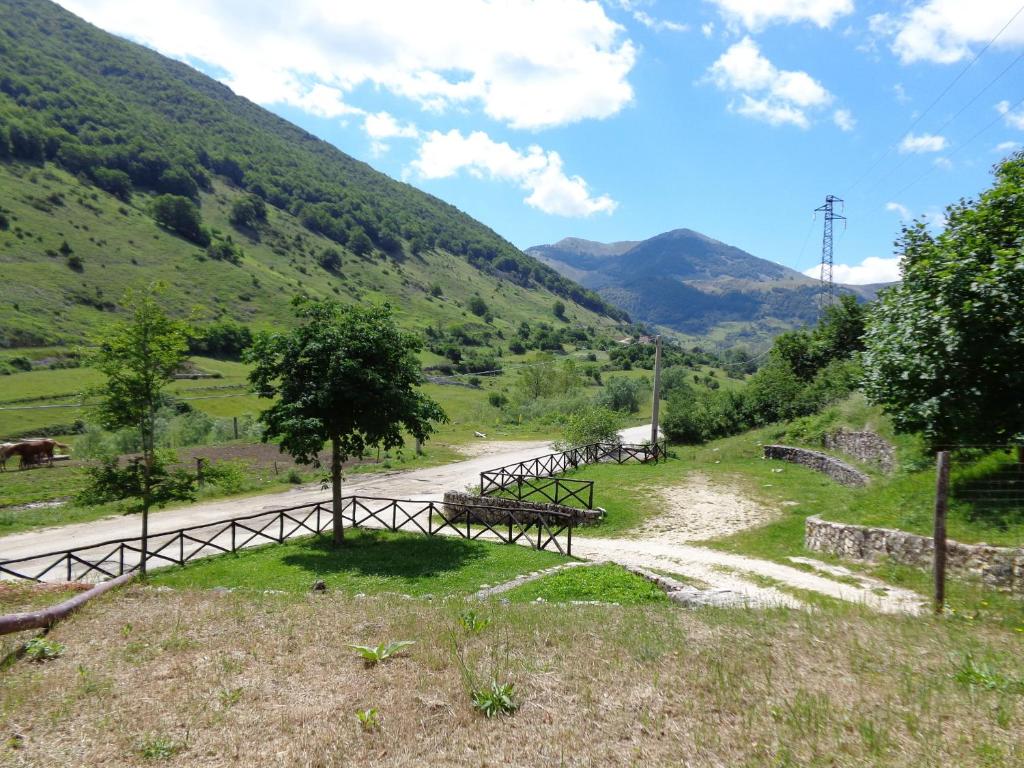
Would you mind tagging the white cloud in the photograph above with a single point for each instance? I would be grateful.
(925, 142)
(874, 269)
(942, 162)
(901, 93)
(1013, 118)
(527, 64)
(943, 31)
(383, 125)
(899, 208)
(776, 96)
(844, 119)
(540, 173)
(659, 25)
(1006, 146)
(757, 14)
(707, 29)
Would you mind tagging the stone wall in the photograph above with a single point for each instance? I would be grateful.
(457, 505)
(863, 446)
(997, 567)
(838, 470)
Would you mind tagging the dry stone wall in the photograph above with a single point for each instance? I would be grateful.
(863, 446)
(998, 567)
(491, 509)
(838, 470)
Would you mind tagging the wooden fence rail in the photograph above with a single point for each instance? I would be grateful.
(114, 558)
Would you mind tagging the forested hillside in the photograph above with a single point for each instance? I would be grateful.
(118, 165)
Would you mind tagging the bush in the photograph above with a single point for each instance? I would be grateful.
(224, 250)
(497, 399)
(622, 394)
(477, 306)
(248, 211)
(224, 338)
(181, 216)
(20, 363)
(593, 425)
(330, 259)
(696, 416)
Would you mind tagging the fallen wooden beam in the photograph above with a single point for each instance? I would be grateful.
(47, 617)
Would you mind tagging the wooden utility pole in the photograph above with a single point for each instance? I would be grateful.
(657, 393)
(941, 504)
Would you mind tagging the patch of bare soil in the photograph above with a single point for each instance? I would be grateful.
(488, 447)
(697, 510)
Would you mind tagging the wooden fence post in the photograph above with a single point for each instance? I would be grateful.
(941, 505)
(234, 424)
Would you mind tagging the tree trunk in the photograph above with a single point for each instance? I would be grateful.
(339, 522)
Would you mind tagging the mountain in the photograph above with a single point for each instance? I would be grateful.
(692, 283)
(119, 167)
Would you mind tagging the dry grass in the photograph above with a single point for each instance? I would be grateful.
(200, 678)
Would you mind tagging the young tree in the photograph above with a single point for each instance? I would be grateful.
(139, 357)
(348, 376)
(944, 348)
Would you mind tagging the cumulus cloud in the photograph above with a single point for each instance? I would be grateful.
(1012, 117)
(943, 163)
(529, 65)
(776, 96)
(541, 173)
(874, 269)
(382, 125)
(844, 119)
(659, 25)
(925, 142)
(1006, 146)
(899, 208)
(943, 31)
(707, 29)
(757, 14)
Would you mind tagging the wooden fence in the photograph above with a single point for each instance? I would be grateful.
(110, 559)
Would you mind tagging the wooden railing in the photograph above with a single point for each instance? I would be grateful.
(110, 559)
(515, 477)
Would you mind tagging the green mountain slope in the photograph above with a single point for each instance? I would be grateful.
(92, 128)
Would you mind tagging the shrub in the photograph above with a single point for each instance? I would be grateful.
(248, 211)
(593, 425)
(20, 363)
(477, 306)
(43, 649)
(696, 416)
(622, 394)
(497, 399)
(75, 263)
(330, 259)
(181, 216)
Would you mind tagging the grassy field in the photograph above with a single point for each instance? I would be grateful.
(370, 562)
(607, 583)
(188, 677)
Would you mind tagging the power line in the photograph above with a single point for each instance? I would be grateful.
(937, 99)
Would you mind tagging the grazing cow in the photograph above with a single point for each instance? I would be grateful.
(6, 451)
(36, 451)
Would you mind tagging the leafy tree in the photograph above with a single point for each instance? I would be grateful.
(138, 359)
(181, 215)
(944, 348)
(346, 375)
(330, 259)
(593, 425)
(696, 416)
(558, 310)
(248, 211)
(477, 306)
(117, 183)
(622, 394)
(359, 242)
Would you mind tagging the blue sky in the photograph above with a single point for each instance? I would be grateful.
(620, 119)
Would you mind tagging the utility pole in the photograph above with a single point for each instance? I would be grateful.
(657, 391)
(827, 296)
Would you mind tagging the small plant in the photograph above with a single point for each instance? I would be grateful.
(228, 697)
(376, 654)
(975, 674)
(157, 747)
(496, 699)
(473, 623)
(369, 719)
(294, 477)
(43, 649)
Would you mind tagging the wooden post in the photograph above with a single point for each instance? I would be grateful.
(199, 472)
(657, 390)
(234, 424)
(941, 505)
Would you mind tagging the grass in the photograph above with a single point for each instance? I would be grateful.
(370, 562)
(232, 678)
(607, 583)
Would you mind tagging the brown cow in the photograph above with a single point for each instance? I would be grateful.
(36, 451)
(6, 451)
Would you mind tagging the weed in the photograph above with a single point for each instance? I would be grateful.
(158, 747)
(369, 719)
(496, 699)
(975, 674)
(473, 623)
(228, 697)
(376, 654)
(43, 649)
(90, 684)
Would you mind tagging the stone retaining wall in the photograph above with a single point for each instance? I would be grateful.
(863, 446)
(998, 567)
(838, 470)
(457, 505)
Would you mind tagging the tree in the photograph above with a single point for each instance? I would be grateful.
(558, 310)
(139, 358)
(345, 375)
(593, 425)
(944, 348)
(477, 306)
(248, 212)
(181, 215)
(622, 394)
